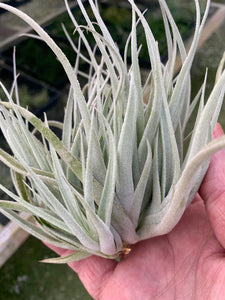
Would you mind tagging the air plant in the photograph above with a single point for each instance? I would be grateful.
(124, 169)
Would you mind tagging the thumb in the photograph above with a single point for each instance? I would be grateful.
(212, 190)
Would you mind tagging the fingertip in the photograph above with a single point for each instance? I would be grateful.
(218, 131)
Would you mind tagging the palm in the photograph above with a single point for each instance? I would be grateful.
(188, 263)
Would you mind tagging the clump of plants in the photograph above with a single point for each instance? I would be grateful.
(119, 172)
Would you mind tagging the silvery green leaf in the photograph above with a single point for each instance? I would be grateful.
(140, 188)
(124, 185)
(65, 189)
(137, 79)
(11, 162)
(73, 163)
(78, 255)
(160, 222)
(34, 230)
(34, 210)
(208, 117)
(107, 197)
(105, 236)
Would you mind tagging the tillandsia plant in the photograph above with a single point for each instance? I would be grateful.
(120, 172)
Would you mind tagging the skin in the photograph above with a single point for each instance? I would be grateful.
(187, 263)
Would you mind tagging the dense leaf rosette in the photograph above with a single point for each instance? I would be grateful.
(120, 173)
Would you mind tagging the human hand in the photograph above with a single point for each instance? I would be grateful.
(187, 263)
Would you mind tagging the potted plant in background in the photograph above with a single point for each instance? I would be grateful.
(124, 169)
